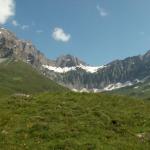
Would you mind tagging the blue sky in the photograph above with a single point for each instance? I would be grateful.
(97, 31)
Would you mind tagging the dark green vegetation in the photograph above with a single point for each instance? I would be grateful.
(19, 77)
(72, 121)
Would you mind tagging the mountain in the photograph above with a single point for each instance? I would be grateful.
(17, 77)
(117, 74)
(12, 47)
(68, 61)
(74, 73)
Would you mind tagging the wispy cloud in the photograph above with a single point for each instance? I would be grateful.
(39, 31)
(15, 23)
(59, 35)
(102, 11)
(24, 27)
(7, 10)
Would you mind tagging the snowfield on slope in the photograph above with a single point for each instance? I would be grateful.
(89, 69)
(110, 87)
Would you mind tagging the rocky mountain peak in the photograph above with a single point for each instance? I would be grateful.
(146, 56)
(11, 46)
(68, 61)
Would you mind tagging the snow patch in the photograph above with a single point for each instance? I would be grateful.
(89, 69)
(59, 69)
(136, 87)
(117, 86)
(2, 28)
(110, 87)
(84, 90)
(75, 90)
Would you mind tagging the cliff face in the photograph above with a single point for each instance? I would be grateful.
(68, 61)
(11, 46)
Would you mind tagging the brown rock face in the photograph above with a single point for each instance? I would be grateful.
(11, 46)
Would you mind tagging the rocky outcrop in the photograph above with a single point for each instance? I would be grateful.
(11, 46)
(68, 61)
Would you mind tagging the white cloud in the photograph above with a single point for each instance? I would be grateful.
(15, 23)
(7, 10)
(102, 11)
(59, 35)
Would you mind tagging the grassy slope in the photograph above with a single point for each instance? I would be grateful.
(72, 121)
(18, 77)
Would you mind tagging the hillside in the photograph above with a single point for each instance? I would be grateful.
(19, 77)
(72, 121)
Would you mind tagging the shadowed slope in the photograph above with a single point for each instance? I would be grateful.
(16, 76)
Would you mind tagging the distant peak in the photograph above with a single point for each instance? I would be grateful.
(68, 61)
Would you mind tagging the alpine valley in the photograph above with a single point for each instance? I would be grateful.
(74, 73)
(38, 111)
